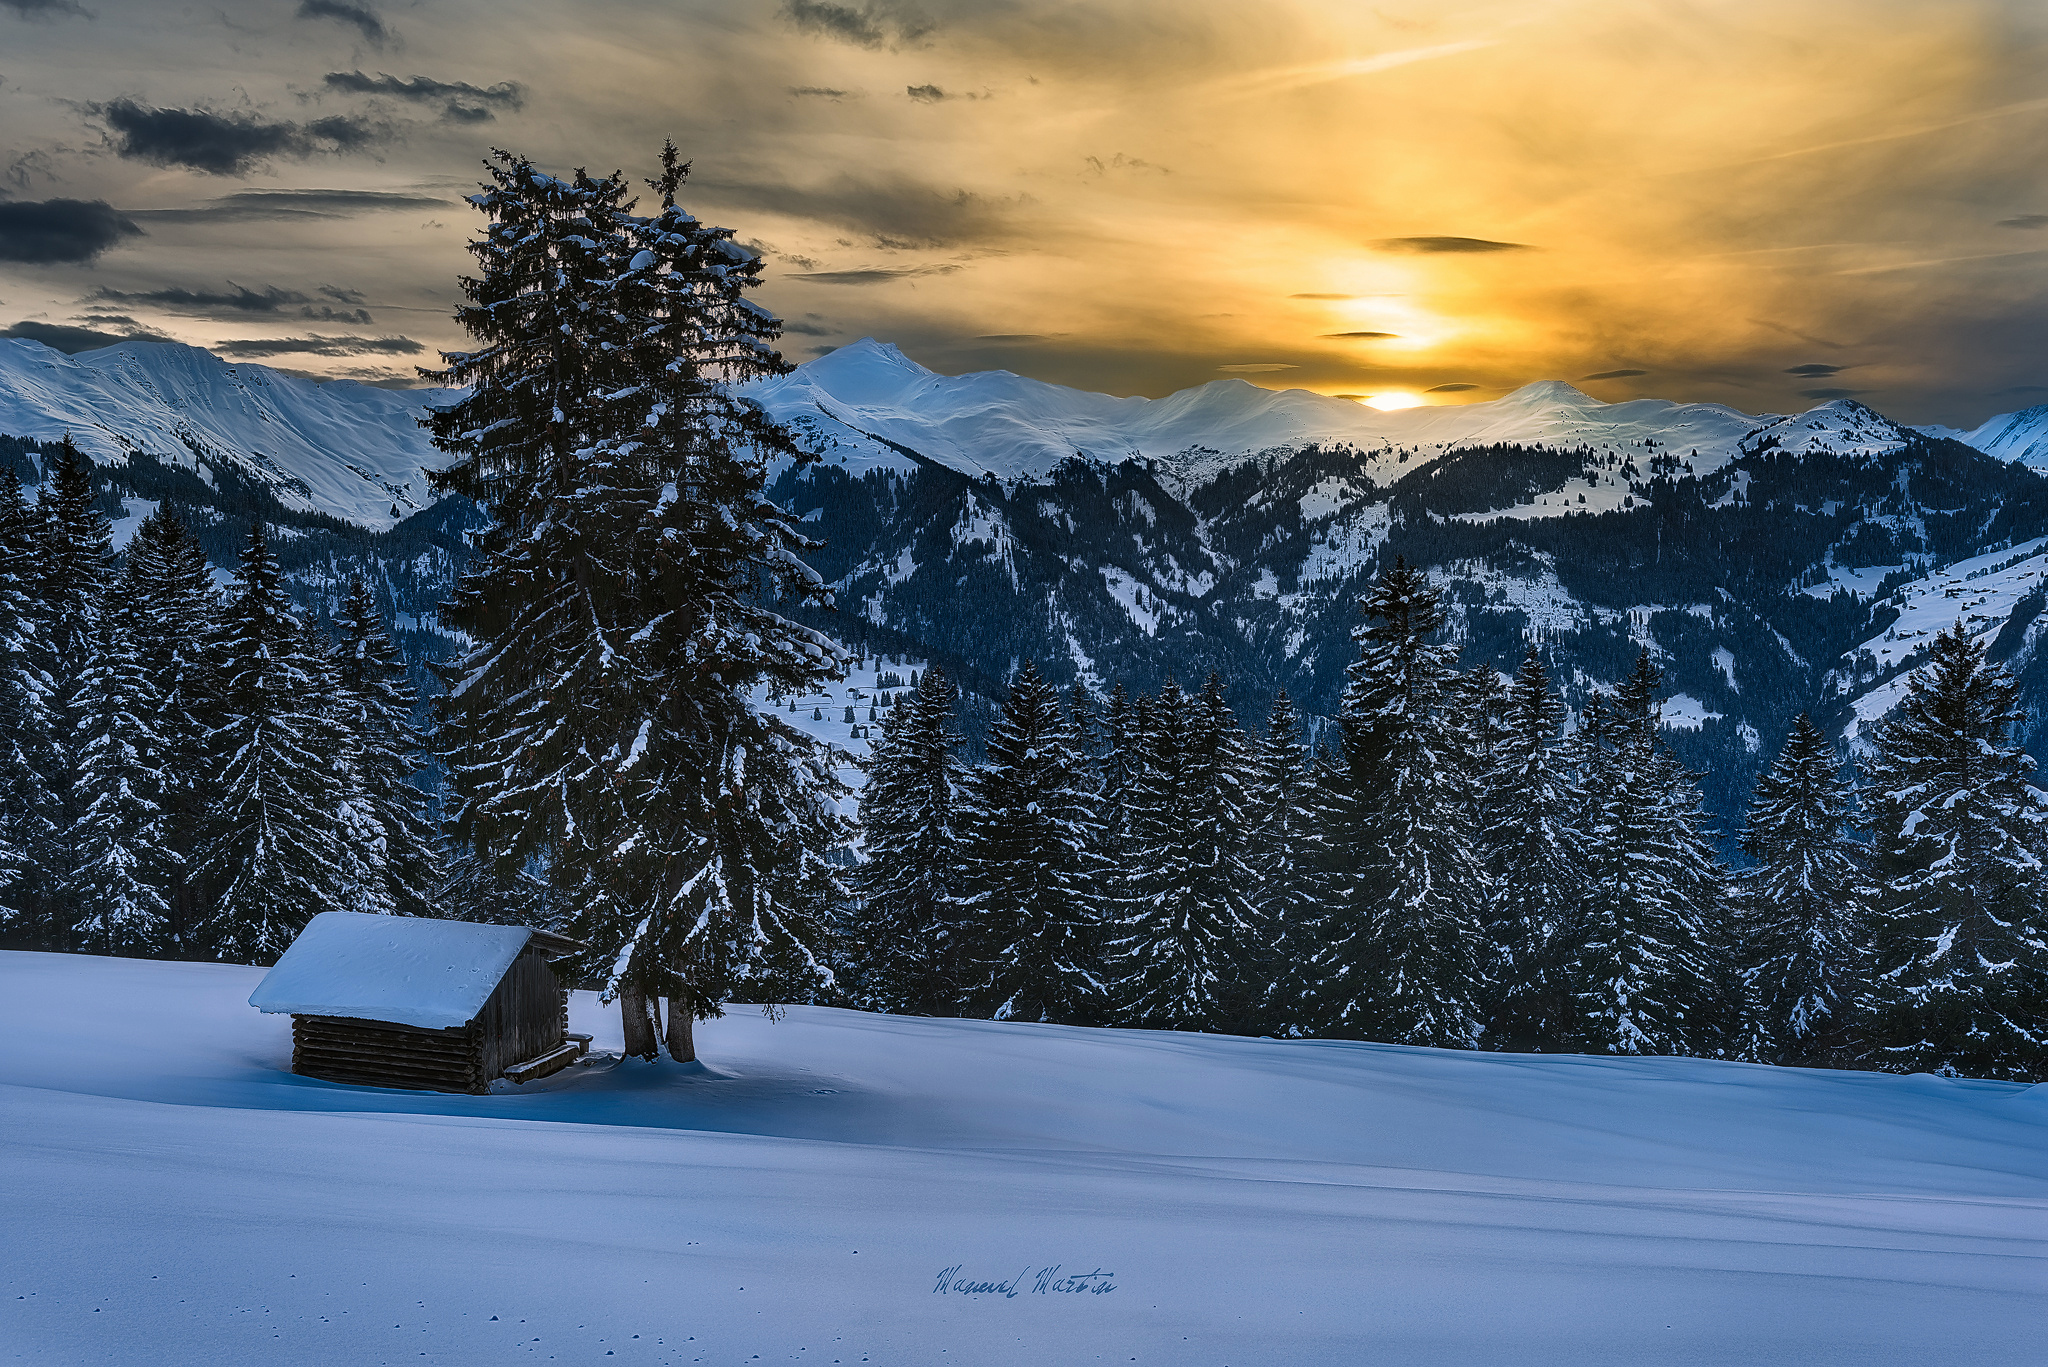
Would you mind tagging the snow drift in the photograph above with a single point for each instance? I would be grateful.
(823, 1190)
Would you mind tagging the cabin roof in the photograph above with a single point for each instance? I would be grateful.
(409, 969)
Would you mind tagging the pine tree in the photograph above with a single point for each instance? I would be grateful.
(1175, 945)
(28, 815)
(399, 864)
(167, 578)
(1535, 868)
(1285, 858)
(1961, 948)
(1030, 873)
(605, 726)
(116, 891)
(1401, 955)
(916, 951)
(1643, 981)
(275, 855)
(1807, 901)
(75, 559)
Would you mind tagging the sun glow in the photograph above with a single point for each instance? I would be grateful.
(1392, 400)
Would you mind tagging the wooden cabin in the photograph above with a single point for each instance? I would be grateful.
(405, 1001)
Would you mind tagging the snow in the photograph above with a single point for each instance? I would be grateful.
(2021, 436)
(1687, 713)
(408, 969)
(175, 1195)
(856, 401)
(348, 449)
(134, 511)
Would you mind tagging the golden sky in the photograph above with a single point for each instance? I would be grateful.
(1761, 204)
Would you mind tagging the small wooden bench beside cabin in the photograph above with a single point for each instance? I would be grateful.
(405, 1001)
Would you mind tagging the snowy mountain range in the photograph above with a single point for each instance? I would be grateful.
(1771, 563)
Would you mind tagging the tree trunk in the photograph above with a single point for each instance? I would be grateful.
(682, 1029)
(641, 1036)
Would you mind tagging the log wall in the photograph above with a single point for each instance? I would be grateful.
(384, 1054)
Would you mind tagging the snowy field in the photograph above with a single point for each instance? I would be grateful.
(174, 1196)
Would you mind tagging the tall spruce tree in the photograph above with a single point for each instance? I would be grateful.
(605, 726)
(1961, 946)
(914, 940)
(399, 865)
(166, 577)
(1285, 860)
(274, 855)
(1535, 866)
(1176, 944)
(116, 891)
(1807, 901)
(28, 815)
(1030, 879)
(1643, 978)
(75, 563)
(1400, 959)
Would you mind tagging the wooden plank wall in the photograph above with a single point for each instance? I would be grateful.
(527, 1016)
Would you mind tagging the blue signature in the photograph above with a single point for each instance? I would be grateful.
(1043, 1281)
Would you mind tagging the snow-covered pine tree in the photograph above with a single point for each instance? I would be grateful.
(1029, 883)
(1478, 716)
(274, 854)
(165, 574)
(605, 725)
(916, 959)
(75, 560)
(1175, 946)
(1807, 903)
(116, 891)
(28, 815)
(1400, 958)
(1961, 949)
(1286, 862)
(375, 700)
(1642, 981)
(1535, 868)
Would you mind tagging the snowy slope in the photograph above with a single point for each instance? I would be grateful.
(864, 403)
(2021, 436)
(822, 1187)
(351, 450)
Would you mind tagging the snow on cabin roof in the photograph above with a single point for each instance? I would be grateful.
(408, 969)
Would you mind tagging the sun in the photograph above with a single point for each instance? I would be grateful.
(1393, 399)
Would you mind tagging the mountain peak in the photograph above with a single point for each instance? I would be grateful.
(1540, 393)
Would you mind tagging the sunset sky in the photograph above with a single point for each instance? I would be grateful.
(1760, 204)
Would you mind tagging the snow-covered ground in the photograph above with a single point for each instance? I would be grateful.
(820, 1192)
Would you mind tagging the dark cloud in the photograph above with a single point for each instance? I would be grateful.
(869, 25)
(234, 299)
(46, 9)
(249, 205)
(71, 340)
(316, 345)
(876, 276)
(1014, 337)
(925, 94)
(1448, 244)
(822, 92)
(1831, 393)
(808, 329)
(229, 144)
(1322, 296)
(1613, 374)
(895, 212)
(460, 101)
(2025, 221)
(361, 18)
(1457, 388)
(1815, 371)
(1364, 336)
(60, 231)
